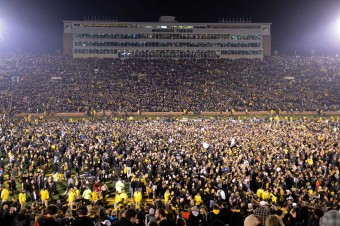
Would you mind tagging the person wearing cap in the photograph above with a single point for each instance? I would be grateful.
(262, 212)
(82, 219)
(294, 215)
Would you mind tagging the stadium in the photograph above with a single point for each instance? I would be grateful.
(166, 38)
(187, 124)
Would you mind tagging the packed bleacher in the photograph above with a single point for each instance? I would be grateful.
(59, 84)
(197, 172)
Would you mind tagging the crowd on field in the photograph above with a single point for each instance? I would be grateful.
(204, 171)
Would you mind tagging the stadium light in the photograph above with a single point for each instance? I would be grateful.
(336, 27)
(2, 29)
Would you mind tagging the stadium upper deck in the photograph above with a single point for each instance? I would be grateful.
(166, 38)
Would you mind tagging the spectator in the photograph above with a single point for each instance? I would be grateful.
(163, 220)
(129, 218)
(252, 220)
(273, 220)
(49, 219)
(82, 219)
(331, 218)
(262, 212)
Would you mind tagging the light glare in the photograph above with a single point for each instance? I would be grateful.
(336, 27)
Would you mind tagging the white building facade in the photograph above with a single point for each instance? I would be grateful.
(166, 39)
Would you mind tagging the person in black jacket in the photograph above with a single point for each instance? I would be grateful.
(82, 219)
(164, 221)
(214, 217)
(49, 219)
(225, 213)
(129, 218)
(195, 217)
(237, 217)
(22, 218)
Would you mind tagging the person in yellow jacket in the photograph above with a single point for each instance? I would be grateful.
(71, 197)
(265, 195)
(166, 196)
(273, 197)
(124, 197)
(95, 197)
(4, 194)
(198, 199)
(118, 199)
(22, 199)
(137, 196)
(259, 193)
(44, 195)
(77, 196)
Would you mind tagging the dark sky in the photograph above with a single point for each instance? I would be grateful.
(35, 26)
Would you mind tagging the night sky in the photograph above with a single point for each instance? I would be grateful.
(35, 26)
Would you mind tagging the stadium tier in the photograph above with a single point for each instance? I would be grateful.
(166, 38)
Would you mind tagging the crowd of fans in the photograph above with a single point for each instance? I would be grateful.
(195, 172)
(203, 171)
(60, 84)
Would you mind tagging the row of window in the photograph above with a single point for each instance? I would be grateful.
(234, 26)
(166, 44)
(241, 52)
(166, 53)
(219, 26)
(169, 36)
(153, 54)
(95, 51)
